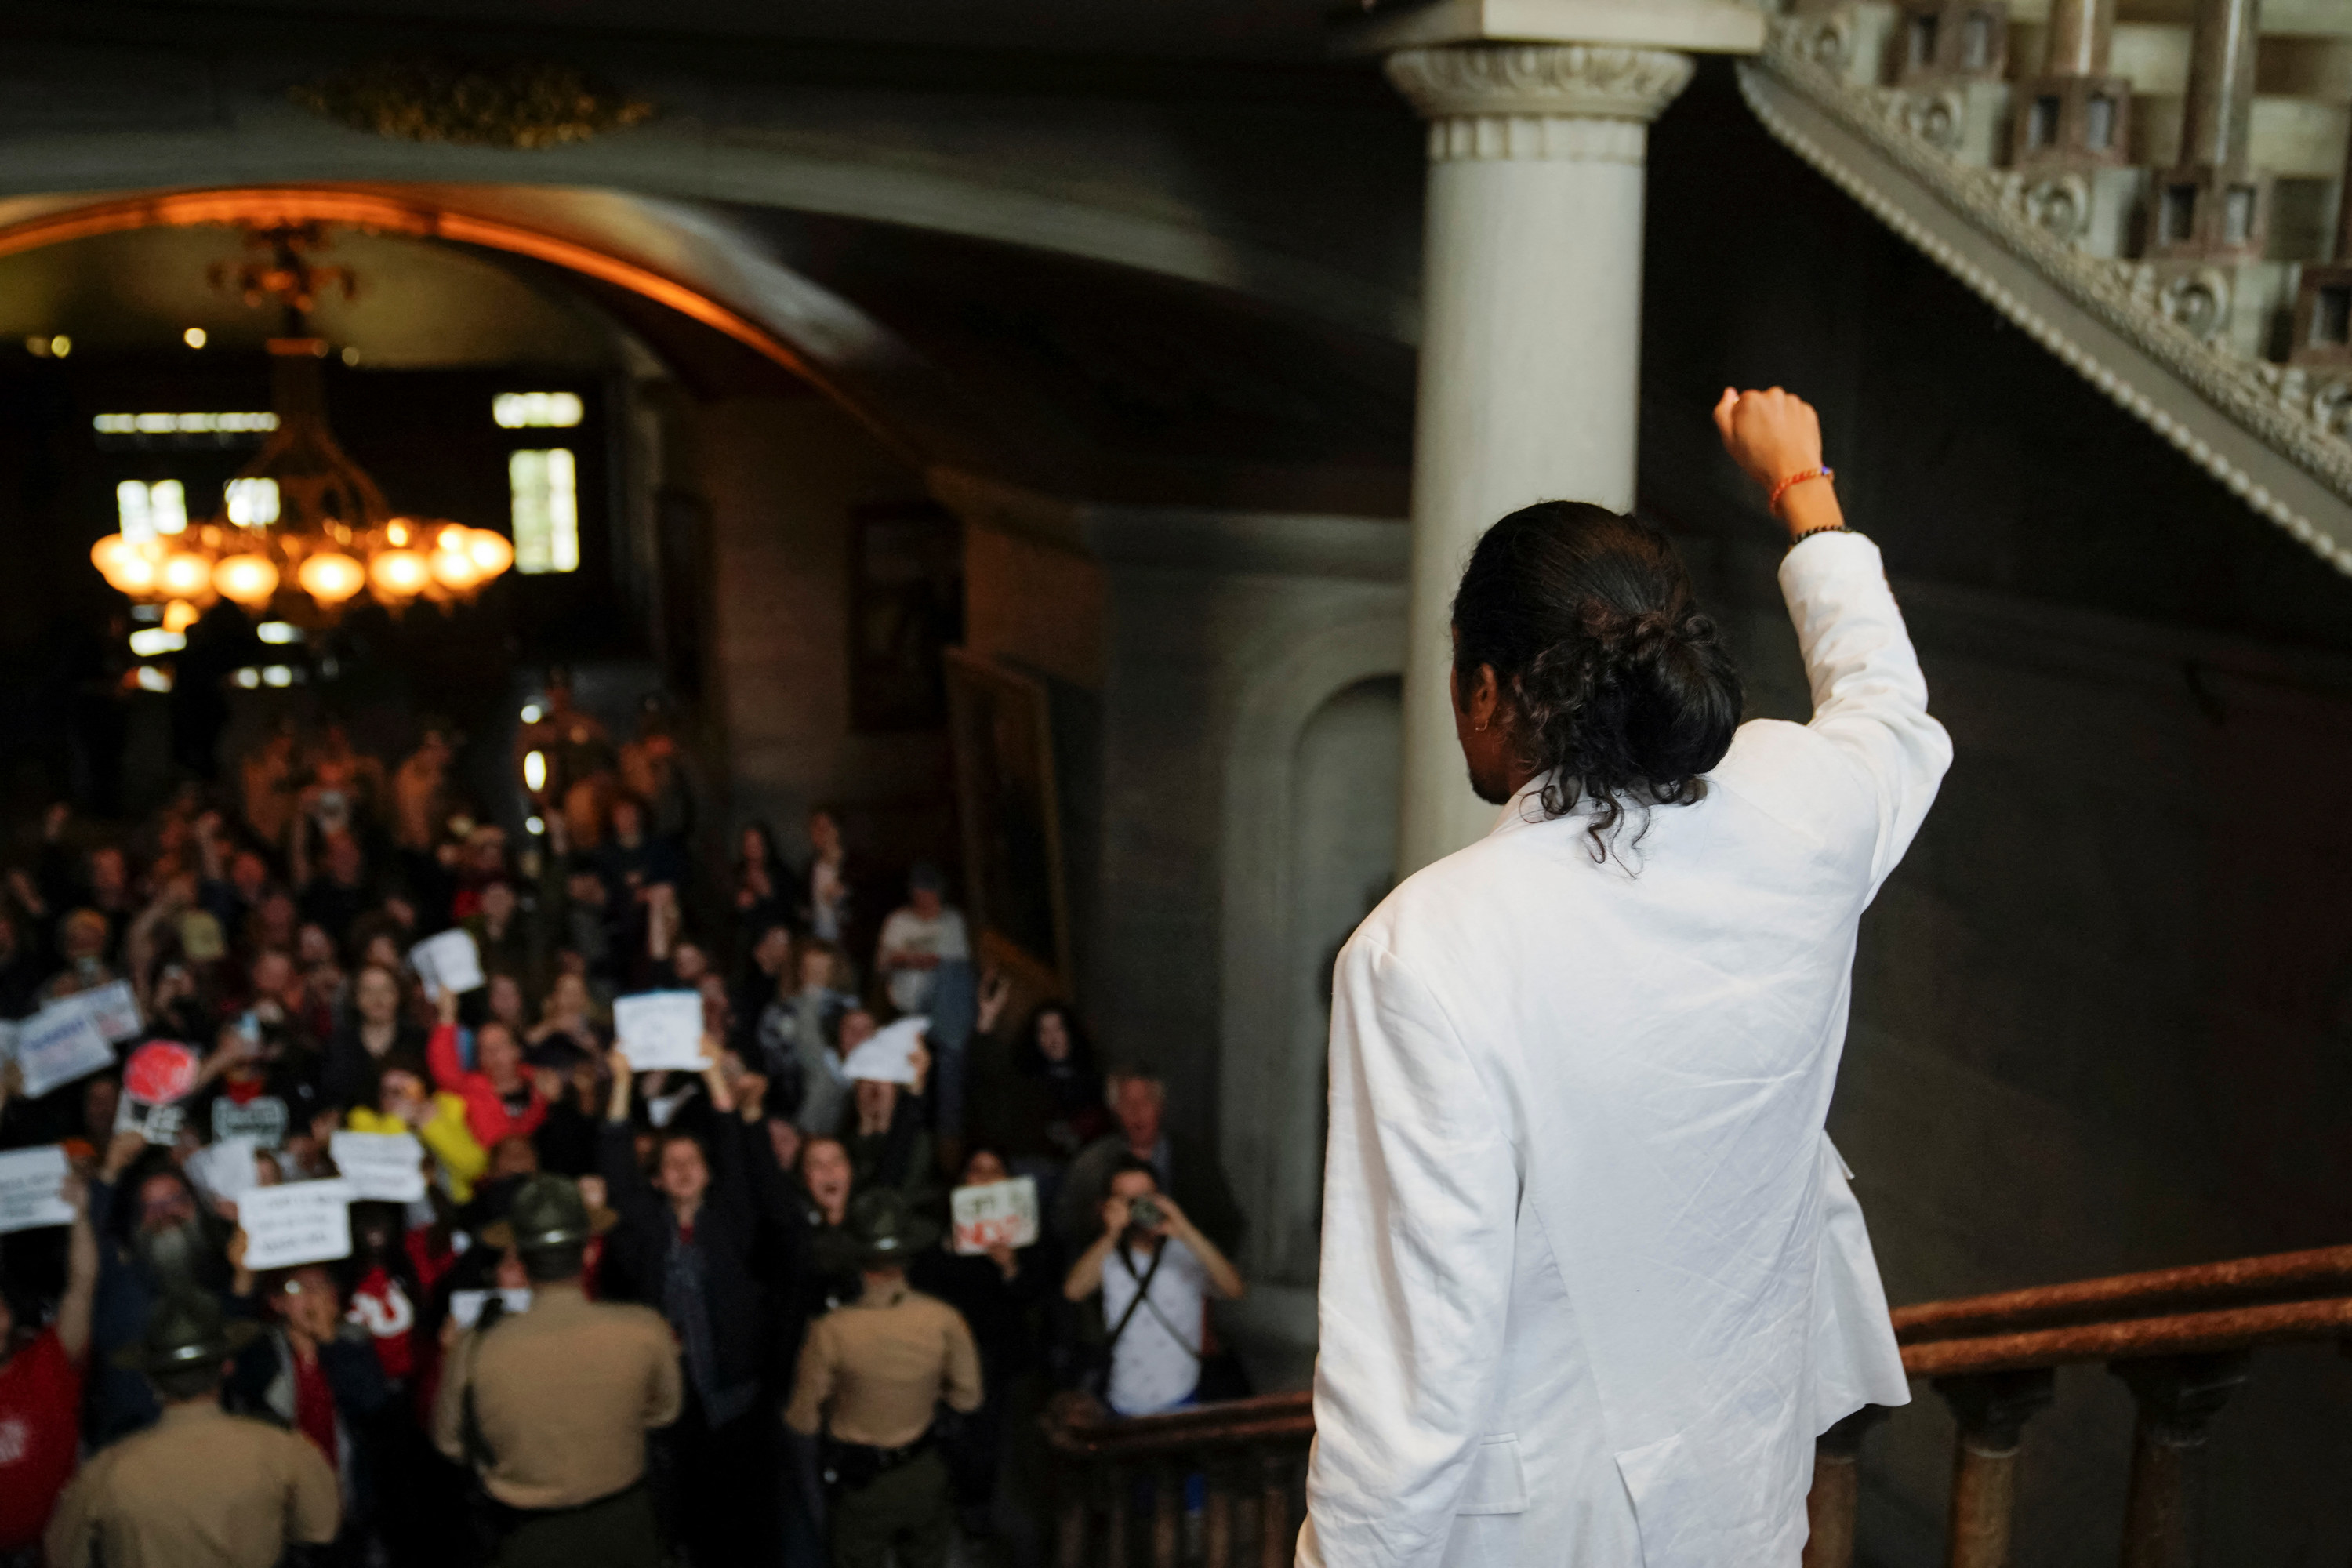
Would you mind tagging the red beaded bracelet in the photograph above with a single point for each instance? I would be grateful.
(1773, 506)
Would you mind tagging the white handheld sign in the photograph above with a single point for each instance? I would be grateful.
(32, 1189)
(301, 1222)
(660, 1029)
(449, 962)
(57, 1044)
(382, 1166)
(1001, 1213)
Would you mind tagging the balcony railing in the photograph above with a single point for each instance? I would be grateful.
(1219, 1486)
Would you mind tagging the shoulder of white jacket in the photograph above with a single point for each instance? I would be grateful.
(1438, 896)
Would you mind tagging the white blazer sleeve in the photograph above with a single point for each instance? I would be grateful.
(1421, 1203)
(1870, 700)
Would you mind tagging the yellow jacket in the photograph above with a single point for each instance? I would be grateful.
(444, 1132)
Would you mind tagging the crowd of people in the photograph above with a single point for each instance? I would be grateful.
(710, 1315)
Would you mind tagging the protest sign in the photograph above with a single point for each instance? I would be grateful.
(465, 1306)
(114, 1009)
(32, 1185)
(889, 1057)
(380, 1165)
(660, 1029)
(449, 962)
(301, 1222)
(159, 1124)
(225, 1169)
(263, 1119)
(1001, 1213)
(57, 1044)
(160, 1072)
(157, 1077)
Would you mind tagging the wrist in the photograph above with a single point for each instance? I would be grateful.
(1810, 476)
(1809, 508)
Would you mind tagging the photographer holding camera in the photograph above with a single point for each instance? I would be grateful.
(1157, 1273)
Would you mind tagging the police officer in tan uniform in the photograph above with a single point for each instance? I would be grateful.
(550, 1406)
(872, 1376)
(200, 1486)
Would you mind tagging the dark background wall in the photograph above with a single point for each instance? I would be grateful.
(2101, 1012)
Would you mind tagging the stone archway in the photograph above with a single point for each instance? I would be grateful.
(1270, 1096)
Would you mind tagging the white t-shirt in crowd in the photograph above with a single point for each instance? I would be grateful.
(1156, 1365)
(942, 937)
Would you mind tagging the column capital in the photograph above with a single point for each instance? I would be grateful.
(1540, 100)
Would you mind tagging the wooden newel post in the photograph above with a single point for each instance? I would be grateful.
(1837, 1488)
(2164, 1523)
(1992, 1409)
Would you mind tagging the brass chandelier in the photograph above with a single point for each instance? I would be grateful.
(302, 529)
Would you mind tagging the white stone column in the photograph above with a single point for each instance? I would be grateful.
(1530, 347)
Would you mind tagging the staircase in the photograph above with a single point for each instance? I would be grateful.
(1220, 1486)
(2153, 189)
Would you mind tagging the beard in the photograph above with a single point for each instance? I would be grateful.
(1493, 790)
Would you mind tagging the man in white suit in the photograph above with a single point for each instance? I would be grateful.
(1593, 1280)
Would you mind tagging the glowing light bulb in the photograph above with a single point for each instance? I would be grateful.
(194, 336)
(534, 771)
(455, 569)
(397, 532)
(108, 551)
(491, 552)
(248, 579)
(185, 573)
(330, 577)
(400, 574)
(132, 572)
(179, 615)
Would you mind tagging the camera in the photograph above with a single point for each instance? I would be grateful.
(1145, 1215)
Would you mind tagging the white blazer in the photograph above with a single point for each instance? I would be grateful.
(1593, 1280)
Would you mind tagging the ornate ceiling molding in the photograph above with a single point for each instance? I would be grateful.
(1575, 81)
(2304, 417)
(514, 103)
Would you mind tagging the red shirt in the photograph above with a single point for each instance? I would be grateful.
(382, 1307)
(314, 1405)
(485, 1111)
(41, 1430)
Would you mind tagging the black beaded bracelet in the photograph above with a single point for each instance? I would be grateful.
(1829, 527)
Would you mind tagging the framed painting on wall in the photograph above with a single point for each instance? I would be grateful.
(906, 610)
(1006, 805)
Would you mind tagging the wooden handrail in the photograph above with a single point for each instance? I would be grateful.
(2245, 1281)
(2178, 1337)
(2184, 1333)
(1082, 1426)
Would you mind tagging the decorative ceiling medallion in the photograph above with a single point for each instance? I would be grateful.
(473, 103)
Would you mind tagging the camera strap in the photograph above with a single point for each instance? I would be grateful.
(1142, 1292)
(1143, 1299)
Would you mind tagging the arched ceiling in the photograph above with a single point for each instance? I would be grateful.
(417, 305)
(1246, 29)
(1060, 374)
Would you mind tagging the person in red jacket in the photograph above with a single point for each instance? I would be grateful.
(501, 1101)
(40, 1390)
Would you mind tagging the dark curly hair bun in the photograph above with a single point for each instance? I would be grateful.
(1618, 687)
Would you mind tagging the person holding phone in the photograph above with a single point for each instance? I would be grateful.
(1593, 1279)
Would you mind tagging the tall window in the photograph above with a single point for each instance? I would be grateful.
(147, 510)
(252, 503)
(537, 410)
(546, 492)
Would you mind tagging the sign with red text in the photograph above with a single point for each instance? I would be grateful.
(1001, 1213)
